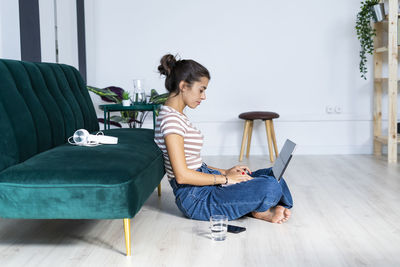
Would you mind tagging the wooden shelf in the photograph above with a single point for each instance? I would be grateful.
(387, 16)
(385, 40)
(383, 49)
(384, 80)
(384, 139)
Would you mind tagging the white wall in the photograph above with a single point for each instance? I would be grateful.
(1, 32)
(67, 33)
(291, 57)
(47, 30)
(10, 45)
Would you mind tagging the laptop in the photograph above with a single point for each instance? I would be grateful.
(282, 161)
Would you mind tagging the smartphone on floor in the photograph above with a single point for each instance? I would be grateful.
(235, 229)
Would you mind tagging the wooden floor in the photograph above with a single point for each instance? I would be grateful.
(346, 213)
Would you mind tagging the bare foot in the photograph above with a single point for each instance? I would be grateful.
(286, 214)
(273, 215)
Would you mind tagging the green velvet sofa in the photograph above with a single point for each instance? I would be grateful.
(44, 177)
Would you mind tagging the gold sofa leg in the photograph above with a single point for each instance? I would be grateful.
(159, 190)
(127, 228)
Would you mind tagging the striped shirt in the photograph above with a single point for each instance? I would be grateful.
(170, 121)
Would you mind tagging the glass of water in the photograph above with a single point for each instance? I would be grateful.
(139, 95)
(219, 226)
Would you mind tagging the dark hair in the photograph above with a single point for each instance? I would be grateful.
(180, 70)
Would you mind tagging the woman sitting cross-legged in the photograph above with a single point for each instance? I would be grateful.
(197, 187)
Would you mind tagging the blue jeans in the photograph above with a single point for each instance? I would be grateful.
(234, 201)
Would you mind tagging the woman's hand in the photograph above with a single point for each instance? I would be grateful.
(237, 177)
(238, 169)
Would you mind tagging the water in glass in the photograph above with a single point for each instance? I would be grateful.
(139, 94)
(139, 97)
(219, 225)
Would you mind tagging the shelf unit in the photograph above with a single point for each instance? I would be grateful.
(390, 49)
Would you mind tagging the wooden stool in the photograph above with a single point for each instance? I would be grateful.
(248, 128)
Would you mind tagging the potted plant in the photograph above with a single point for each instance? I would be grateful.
(126, 101)
(134, 119)
(365, 33)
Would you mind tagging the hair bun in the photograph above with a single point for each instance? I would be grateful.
(167, 63)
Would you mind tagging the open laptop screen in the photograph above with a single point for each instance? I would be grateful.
(283, 159)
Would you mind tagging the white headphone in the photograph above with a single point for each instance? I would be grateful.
(82, 137)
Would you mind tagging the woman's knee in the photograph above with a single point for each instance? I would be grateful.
(268, 187)
(266, 182)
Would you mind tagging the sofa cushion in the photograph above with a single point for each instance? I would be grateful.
(41, 104)
(106, 181)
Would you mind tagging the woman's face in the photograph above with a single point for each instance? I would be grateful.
(193, 95)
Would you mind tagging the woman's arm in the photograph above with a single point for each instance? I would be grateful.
(184, 175)
(222, 171)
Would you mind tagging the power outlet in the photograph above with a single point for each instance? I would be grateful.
(333, 109)
(329, 109)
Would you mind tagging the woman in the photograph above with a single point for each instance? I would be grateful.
(201, 190)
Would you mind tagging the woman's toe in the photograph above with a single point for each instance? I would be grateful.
(287, 212)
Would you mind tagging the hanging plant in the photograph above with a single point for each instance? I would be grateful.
(365, 33)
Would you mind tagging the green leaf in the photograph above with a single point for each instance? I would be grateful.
(106, 93)
(159, 99)
(101, 92)
(119, 119)
(153, 93)
(125, 95)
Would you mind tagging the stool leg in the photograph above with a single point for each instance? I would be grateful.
(249, 139)
(268, 128)
(246, 128)
(273, 138)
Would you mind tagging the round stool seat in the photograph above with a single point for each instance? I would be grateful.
(258, 115)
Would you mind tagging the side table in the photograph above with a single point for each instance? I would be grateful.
(119, 107)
